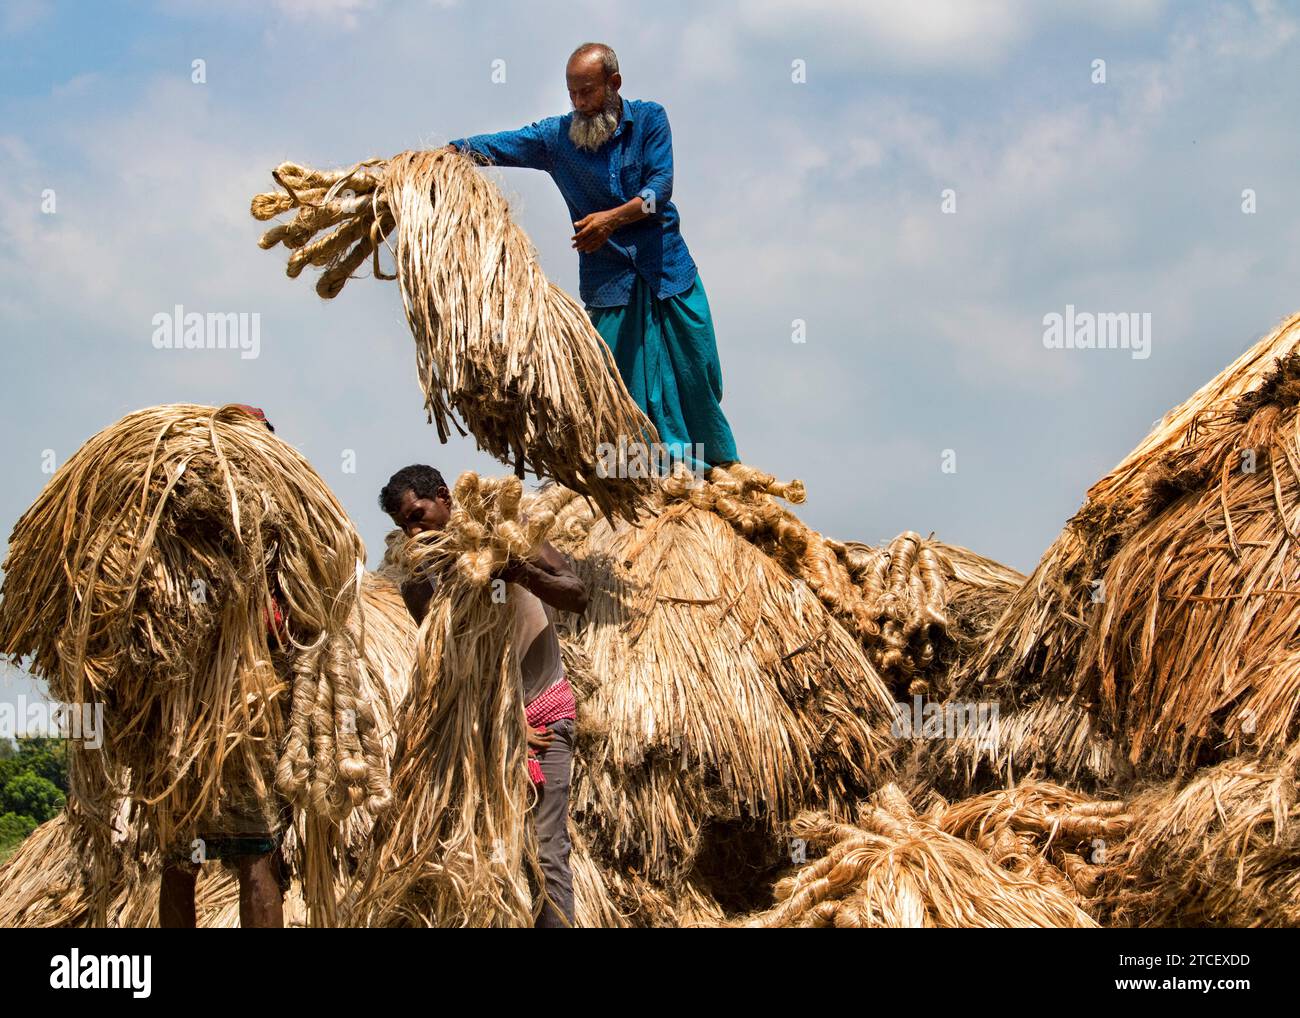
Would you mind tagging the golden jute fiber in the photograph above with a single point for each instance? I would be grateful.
(143, 581)
(499, 348)
(460, 850)
(1155, 636)
(894, 868)
(726, 698)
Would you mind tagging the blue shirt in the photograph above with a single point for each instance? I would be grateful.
(636, 160)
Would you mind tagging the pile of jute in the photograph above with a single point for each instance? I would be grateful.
(719, 697)
(1155, 636)
(986, 862)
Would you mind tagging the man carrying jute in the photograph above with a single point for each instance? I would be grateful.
(418, 501)
(246, 832)
(612, 159)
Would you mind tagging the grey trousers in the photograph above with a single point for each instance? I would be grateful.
(551, 814)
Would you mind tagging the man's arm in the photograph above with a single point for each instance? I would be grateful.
(416, 594)
(525, 147)
(598, 227)
(549, 576)
(656, 187)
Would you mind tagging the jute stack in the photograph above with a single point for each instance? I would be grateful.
(498, 347)
(727, 698)
(918, 606)
(894, 867)
(1222, 849)
(145, 579)
(1155, 636)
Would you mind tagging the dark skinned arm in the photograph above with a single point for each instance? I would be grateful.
(598, 227)
(548, 575)
(417, 593)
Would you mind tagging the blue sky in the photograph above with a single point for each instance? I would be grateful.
(818, 201)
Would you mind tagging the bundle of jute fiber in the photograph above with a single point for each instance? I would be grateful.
(40, 884)
(460, 850)
(917, 605)
(726, 698)
(386, 638)
(1164, 612)
(931, 604)
(498, 347)
(1052, 728)
(188, 573)
(1220, 849)
(1042, 832)
(895, 868)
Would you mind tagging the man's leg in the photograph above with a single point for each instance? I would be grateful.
(261, 900)
(176, 896)
(552, 818)
(635, 336)
(692, 355)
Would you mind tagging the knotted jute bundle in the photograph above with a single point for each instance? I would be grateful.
(460, 850)
(144, 582)
(498, 346)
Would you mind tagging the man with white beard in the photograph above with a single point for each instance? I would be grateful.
(612, 159)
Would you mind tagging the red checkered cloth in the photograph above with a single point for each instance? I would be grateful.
(555, 703)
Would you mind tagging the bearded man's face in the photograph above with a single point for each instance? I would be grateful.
(590, 131)
(596, 105)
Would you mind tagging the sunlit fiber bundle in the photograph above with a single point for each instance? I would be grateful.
(499, 348)
(146, 579)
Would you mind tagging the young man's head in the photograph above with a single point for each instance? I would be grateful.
(417, 499)
(593, 80)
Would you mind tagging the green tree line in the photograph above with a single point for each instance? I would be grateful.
(33, 787)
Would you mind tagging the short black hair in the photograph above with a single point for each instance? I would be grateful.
(419, 478)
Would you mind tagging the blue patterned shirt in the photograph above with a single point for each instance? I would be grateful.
(637, 160)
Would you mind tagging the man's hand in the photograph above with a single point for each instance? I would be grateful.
(594, 230)
(513, 571)
(539, 738)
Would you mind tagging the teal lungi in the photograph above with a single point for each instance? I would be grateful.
(668, 356)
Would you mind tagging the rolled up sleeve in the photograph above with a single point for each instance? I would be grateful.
(524, 148)
(658, 157)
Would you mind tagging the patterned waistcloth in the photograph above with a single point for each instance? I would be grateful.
(555, 703)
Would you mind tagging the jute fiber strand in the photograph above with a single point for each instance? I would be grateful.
(1220, 849)
(895, 868)
(916, 604)
(142, 580)
(727, 697)
(1165, 613)
(498, 347)
(40, 884)
(41, 888)
(384, 636)
(460, 850)
(1043, 832)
